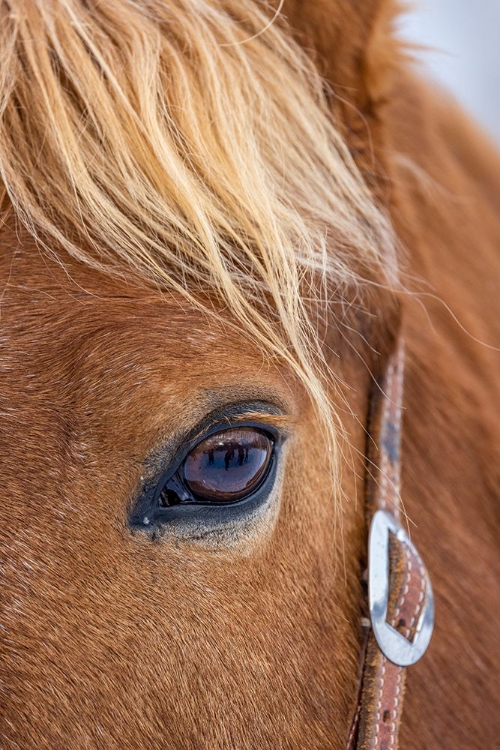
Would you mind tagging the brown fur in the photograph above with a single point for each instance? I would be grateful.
(112, 640)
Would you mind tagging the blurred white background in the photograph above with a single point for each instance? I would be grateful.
(465, 55)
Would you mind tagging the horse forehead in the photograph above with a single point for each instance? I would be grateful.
(112, 363)
(120, 329)
(47, 305)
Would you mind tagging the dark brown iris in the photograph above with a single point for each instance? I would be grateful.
(229, 464)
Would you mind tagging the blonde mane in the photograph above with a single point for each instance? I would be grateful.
(188, 142)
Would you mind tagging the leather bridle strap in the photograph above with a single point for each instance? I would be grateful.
(400, 601)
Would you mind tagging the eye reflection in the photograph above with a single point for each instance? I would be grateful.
(225, 467)
(228, 465)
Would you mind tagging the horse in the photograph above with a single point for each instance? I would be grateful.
(220, 222)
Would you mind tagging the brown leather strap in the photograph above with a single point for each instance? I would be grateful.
(378, 713)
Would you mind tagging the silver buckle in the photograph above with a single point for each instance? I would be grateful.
(398, 649)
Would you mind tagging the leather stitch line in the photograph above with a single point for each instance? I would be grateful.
(396, 708)
(379, 705)
(355, 722)
(418, 606)
(389, 474)
(404, 593)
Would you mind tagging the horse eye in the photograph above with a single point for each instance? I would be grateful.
(228, 465)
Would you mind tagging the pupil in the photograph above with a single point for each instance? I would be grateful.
(228, 465)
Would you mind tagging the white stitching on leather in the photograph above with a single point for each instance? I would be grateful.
(402, 596)
(396, 707)
(418, 607)
(379, 704)
(354, 726)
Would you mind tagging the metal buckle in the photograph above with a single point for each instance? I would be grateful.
(398, 649)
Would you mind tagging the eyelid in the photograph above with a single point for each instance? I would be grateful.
(261, 414)
(280, 422)
(278, 436)
(164, 464)
(147, 513)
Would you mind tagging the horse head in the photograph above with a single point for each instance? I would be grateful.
(218, 222)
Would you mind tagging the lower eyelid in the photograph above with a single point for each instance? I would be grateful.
(203, 521)
(192, 516)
